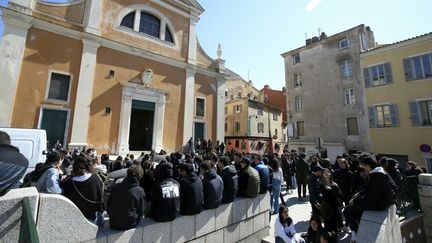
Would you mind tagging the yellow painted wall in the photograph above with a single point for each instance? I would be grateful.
(44, 51)
(231, 117)
(404, 139)
(204, 89)
(103, 129)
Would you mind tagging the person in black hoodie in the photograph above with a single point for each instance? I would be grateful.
(212, 184)
(191, 190)
(229, 177)
(126, 203)
(83, 188)
(313, 187)
(377, 194)
(165, 194)
(13, 164)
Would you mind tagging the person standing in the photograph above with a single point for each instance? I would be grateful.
(13, 164)
(313, 187)
(277, 179)
(126, 204)
(302, 170)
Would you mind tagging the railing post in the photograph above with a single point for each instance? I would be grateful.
(28, 231)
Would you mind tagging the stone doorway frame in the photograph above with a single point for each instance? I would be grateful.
(132, 91)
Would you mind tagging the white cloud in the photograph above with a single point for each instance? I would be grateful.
(312, 5)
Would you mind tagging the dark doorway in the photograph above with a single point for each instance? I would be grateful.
(199, 131)
(141, 126)
(54, 122)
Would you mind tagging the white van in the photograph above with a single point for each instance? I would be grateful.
(32, 143)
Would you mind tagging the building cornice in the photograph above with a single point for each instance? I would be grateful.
(17, 17)
(398, 45)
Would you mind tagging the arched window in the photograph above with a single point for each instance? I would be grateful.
(128, 20)
(168, 35)
(149, 24)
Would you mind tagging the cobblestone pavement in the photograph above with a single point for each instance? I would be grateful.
(300, 212)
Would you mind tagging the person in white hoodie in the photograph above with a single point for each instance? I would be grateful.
(284, 230)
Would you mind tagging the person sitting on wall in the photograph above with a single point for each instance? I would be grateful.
(13, 164)
(249, 180)
(49, 176)
(229, 177)
(212, 184)
(377, 194)
(263, 172)
(83, 188)
(165, 194)
(126, 203)
(191, 190)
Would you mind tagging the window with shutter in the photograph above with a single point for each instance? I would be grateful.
(415, 113)
(418, 67)
(367, 77)
(372, 117)
(394, 115)
(378, 75)
(352, 126)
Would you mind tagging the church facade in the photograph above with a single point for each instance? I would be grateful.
(121, 76)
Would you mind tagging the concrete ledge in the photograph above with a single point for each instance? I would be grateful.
(425, 190)
(264, 204)
(11, 208)
(425, 179)
(380, 226)
(59, 220)
(205, 222)
(57, 215)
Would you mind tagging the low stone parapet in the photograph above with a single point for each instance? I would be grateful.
(380, 226)
(59, 220)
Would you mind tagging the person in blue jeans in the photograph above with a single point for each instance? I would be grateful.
(277, 179)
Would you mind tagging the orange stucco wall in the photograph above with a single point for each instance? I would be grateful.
(110, 29)
(107, 92)
(61, 54)
(204, 88)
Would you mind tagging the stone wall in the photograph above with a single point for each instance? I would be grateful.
(380, 226)
(425, 194)
(59, 220)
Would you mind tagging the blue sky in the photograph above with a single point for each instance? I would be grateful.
(254, 33)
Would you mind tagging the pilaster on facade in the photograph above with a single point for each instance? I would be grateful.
(12, 48)
(189, 105)
(84, 93)
(220, 113)
(92, 16)
(192, 50)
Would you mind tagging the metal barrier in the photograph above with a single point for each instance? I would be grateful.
(28, 233)
(408, 197)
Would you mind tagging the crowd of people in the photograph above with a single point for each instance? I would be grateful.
(187, 183)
